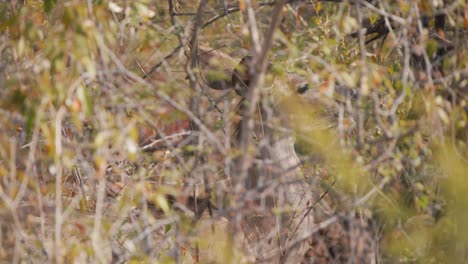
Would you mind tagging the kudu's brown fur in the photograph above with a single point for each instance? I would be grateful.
(271, 232)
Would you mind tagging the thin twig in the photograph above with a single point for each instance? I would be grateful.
(232, 10)
(165, 139)
(167, 57)
(257, 72)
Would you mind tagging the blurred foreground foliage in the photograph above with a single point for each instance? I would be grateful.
(81, 180)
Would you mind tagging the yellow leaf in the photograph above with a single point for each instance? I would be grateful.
(21, 45)
(161, 201)
(242, 5)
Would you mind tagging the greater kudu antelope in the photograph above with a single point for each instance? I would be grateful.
(271, 233)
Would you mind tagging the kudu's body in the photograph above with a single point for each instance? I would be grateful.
(282, 206)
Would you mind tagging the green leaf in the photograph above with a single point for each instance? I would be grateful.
(49, 5)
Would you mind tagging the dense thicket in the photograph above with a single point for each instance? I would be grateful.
(122, 138)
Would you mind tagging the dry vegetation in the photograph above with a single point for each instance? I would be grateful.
(122, 139)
